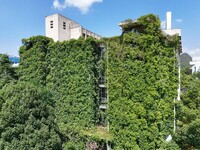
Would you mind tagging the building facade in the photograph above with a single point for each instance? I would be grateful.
(195, 63)
(172, 31)
(61, 28)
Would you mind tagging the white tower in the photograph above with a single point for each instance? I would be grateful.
(168, 20)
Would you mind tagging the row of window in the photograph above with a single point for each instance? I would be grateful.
(64, 25)
(51, 25)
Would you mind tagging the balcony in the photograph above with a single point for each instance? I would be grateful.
(102, 106)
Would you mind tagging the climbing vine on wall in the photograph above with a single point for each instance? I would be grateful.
(74, 77)
(141, 70)
(142, 74)
(70, 70)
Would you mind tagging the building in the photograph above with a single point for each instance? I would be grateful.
(195, 63)
(61, 28)
(132, 25)
(172, 31)
(169, 30)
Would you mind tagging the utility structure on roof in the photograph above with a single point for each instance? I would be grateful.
(172, 31)
(129, 24)
(169, 30)
(61, 28)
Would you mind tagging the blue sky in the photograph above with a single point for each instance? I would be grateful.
(25, 18)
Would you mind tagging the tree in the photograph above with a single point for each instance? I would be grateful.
(188, 113)
(27, 118)
(70, 69)
(7, 73)
(33, 59)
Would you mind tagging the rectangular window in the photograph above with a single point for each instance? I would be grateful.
(103, 94)
(102, 79)
(51, 24)
(64, 25)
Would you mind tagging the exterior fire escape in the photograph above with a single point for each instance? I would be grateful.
(103, 90)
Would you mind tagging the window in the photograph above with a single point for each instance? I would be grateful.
(51, 24)
(102, 79)
(84, 35)
(64, 25)
(103, 95)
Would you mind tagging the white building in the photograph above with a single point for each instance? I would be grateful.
(195, 63)
(174, 31)
(61, 28)
(169, 30)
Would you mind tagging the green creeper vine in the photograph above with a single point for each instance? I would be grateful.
(142, 74)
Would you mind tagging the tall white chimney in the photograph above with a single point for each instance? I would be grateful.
(168, 20)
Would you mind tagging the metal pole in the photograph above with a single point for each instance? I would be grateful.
(179, 78)
(174, 116)
(108, 128)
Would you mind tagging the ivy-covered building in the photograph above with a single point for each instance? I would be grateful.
(117, 91)
(143, 73)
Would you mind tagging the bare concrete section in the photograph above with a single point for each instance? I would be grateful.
(61, 28)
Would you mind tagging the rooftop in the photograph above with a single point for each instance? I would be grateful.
(129, 24)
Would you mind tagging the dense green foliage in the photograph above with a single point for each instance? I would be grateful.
(70, 70)
(27, 119)
(142, 81)
(33, 55)
(55, 102)
(73, 76)
(188, 111)
(7, 73)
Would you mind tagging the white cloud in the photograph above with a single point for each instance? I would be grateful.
(179, 20)
(163, 24)
(82, 5)
(57, 5)
(192, 52)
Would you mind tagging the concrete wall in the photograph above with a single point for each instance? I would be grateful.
(76, 33)
(173, 31)
(63, 34)
(51, 32)
(72, 29)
